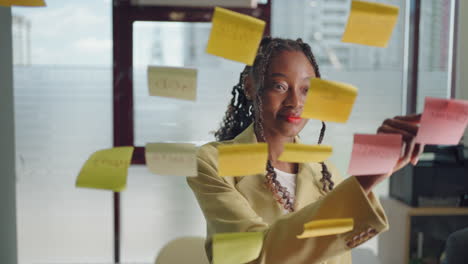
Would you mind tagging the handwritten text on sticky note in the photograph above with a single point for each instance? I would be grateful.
(172, 159)
(242, 159)
(305, 153)
(443, 121)
(235, 36)
(173, 82)
(375, 154)
(106, 169)
(329, 100)
(327, 227)
(370, 23)
(235, 248)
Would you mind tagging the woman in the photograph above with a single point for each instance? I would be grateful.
(266, 107)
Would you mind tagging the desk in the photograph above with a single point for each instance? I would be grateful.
(399, 243)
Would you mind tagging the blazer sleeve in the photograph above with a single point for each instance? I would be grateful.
(226, 210)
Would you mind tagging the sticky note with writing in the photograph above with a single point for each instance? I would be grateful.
(235, 248)
(173, 82)
(329, 100)
(242, 159)
(326, 227)
(305, 153)
(235, 36)
(171, 159)
(443, 121)
(22, 3)
(370, 23)
(375, 154)
(106, 169)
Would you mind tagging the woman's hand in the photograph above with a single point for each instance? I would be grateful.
(407, 126)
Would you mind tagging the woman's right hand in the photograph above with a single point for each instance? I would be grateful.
(407, 126)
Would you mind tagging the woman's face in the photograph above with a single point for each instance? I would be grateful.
(286, 85)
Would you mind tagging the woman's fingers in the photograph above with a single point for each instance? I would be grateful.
(410, 118)
(403, 149)
(408, 144)
(392, 130)
(418, 150)
(409, 124)
(402, 125)
(407, 154)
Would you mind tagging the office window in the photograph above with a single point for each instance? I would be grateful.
(63, 113)
(165, 119)
(435, 50)
(158, 209)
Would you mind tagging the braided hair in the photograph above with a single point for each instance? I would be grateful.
(242, 112)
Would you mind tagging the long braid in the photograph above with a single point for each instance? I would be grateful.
(326, 175)
(240, 115)
(280, 193)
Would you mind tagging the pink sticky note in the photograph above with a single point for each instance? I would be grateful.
(443, 121)
(375, 154)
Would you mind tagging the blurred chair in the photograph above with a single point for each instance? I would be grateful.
(456, 248)
(190, 250)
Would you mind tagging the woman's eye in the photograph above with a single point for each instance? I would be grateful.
(278, 86)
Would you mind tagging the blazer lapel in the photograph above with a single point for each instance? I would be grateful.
(308, 185)
(253, 187)
(246, 136)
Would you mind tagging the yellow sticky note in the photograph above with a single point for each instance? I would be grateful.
(305, 153)
(106, 169)
(242, 159)
(22, 3)
(235, 36)
(370, 23)
(171, 159)
(327, 227)
(173, 82)
(329, 101)
(236, 248)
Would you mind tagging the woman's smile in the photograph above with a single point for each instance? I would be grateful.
(294, 119)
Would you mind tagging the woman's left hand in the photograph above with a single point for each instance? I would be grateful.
(407, 126)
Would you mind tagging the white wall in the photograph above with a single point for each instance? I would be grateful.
(462, 56)
(7, 144)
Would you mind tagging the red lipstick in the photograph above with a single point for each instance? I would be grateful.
(293, 119)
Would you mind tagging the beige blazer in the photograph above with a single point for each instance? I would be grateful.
(243, 204)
